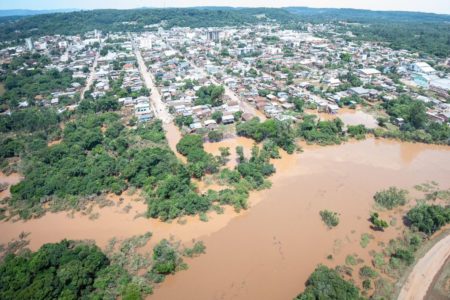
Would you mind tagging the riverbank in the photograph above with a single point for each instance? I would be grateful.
(418, 281)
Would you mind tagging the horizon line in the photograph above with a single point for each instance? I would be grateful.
(74, 9)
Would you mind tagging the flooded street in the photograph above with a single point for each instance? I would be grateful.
(268, 251)
(173, 136)
(349, 117)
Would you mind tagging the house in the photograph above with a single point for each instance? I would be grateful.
(333, 108)
(441, 86)
(142, 111)
(399, 121)
(422, 67)
(333, 82)
(359, 91)
(127, 101)
(228, 119)
(23, 104)
(445, 115)
(195, 126)
(210, 124)
(368, 72)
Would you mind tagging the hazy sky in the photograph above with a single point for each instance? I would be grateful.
(437, 6)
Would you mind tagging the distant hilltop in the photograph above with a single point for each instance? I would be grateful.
(414, 31)
(31, 12)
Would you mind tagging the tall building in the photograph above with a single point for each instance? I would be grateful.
(29, 44)
(213, 35)
(145, 42)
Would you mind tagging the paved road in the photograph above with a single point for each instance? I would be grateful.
(91, 77)
(158, 106)
(421, 277)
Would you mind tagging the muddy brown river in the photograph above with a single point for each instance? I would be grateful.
(268, 251)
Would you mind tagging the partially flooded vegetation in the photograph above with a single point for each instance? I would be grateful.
(79, 269)
(143, 156)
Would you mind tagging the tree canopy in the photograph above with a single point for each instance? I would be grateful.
(65, 270)
(326, 283)
(428, 218)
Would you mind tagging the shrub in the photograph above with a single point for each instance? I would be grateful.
(428, 218)
(367, 272)
(357, 131)
(215, 136)
(391, 198)
(197, 249)
(365, 239)
(405, 255)
(367, 284)
(165, 258)
(326, 283)
(378, 223)
(331, 219)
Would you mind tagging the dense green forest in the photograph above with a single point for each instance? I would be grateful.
(423, 32)
(428, 38)
(320, 15)
(66, 270)
(80, 270)
(112, 20)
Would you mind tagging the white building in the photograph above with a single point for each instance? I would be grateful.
(422, 67)
(142, 111)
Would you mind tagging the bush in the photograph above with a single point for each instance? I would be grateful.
(367, 284)
(326, 283)
(405, 255)
(215, 136)
(378, 223)
(165, 258)
(391, 198)
(357, 131)
(321, 132)
(367, 272)
(428, 218)
(331, 219)
(197, 249)
(365, 239)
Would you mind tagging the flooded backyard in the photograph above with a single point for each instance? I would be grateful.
(349, 117)
(268, 251)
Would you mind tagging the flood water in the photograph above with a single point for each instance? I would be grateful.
(232, 143)
(173, 136)
(268, 251)
(350, 117)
